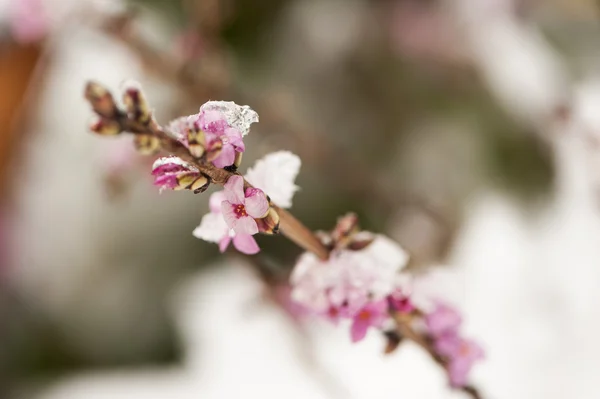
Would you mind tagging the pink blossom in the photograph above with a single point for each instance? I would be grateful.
(461, 354)
(230, 141)
(214, 229)
(401, 302)
(373, 314)
(277, 172)
(345, 283)
(29, 22)
(242, 206)
(224, 124)
(443, 320)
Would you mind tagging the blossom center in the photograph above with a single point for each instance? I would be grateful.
(240, 211)
(364, 315)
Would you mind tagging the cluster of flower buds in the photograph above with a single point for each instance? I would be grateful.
(112, 120)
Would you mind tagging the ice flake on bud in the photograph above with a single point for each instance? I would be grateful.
(214, 115)
(173, 173)
(146, 144)
(135, 103)
(275, 175)
(213, 228)
(241, 207)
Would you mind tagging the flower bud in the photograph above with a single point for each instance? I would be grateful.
(200, 184)
(238, 159)
(269, 224)
(135, 103)
(101, 100)
(146, 144)
(195, 142)
(173, 173)
(214, 151)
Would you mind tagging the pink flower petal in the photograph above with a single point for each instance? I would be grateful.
(245, 225)
(256, 202)
(234, 137)
(443, 319)
(246, 244)
(168, 181)
(226, 156)
(224, 243)
(228, 211)
(214, 203)
(359, 328)
(234, 190)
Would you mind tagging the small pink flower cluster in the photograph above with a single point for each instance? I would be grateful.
(443, 324)
(358, 282)
(237, 214)
(216, 132)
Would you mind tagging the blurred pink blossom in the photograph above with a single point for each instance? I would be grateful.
(29, 20)
(372, 314)
(349, 280)
(443, 320)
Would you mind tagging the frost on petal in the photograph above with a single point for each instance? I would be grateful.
(165, 165)
(212, 228)
(256, 203)
(237, 116)
(178, 128)
(386, 253)
(246, 244)
(245, 225)
(234, 190)
(309, 280)
(275, 175)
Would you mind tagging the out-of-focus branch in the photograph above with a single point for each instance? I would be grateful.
(405, 330)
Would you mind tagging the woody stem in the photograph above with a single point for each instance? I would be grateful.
(289, 225)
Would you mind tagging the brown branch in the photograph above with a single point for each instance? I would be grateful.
(289, 226)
